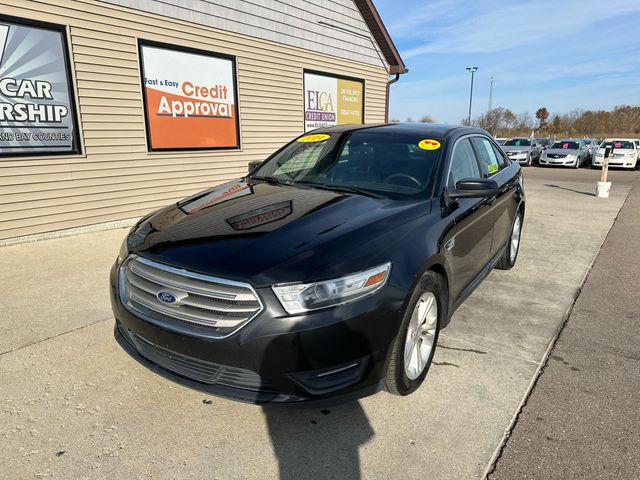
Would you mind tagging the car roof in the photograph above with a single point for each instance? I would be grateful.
(619, 139)
(435, 130)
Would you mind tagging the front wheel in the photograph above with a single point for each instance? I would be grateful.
(510, 255)
(415, 344)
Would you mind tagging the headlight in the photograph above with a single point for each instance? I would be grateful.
(630, 154)
(570, 157)
(303, 297)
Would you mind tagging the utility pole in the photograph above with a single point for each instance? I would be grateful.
(491, 95)
(473, 70)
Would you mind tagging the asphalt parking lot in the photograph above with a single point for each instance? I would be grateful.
(74, 405)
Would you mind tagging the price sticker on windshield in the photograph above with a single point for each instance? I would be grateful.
(565, 145)
(492, 168)
(317, 137)
(429, 144)
(618, 145)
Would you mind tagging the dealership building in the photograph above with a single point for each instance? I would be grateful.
(109, 109)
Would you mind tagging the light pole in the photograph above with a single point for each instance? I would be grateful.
(473, 70)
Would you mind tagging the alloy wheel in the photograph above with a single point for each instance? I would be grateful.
(421, 334)
(515, 239)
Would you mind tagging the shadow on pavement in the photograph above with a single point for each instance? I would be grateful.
(318, 443)
(591, 194)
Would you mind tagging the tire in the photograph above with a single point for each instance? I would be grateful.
(577, 165)
(508, 259)
(529, 161)
(401, 379)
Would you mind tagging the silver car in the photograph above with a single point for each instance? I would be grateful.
(567, 153)
(522, 150)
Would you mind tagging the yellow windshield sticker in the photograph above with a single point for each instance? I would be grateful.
(317, 137)
(429, 144)
(492, 168)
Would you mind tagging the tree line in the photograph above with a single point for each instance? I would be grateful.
(621, 121)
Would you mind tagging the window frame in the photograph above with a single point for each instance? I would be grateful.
(194, 51)
(76, 145)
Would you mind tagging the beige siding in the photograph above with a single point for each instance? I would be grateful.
(116, 177)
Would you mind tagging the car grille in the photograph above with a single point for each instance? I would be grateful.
(555, 155)
(192, 303)
(196, 369)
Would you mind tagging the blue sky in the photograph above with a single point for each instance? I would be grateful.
(562, 54)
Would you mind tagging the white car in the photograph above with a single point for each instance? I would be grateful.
(624, 154)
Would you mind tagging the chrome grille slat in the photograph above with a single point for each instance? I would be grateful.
(197, 301)
(204, 306)
(183, 282)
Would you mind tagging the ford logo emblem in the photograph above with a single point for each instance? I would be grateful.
(167, 297)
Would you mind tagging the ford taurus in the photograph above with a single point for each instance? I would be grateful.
(327, 272)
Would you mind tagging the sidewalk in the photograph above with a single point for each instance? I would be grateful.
(582, 419)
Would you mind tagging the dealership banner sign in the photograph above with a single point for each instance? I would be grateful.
(190, 98)
(332, 100)
(37, 114)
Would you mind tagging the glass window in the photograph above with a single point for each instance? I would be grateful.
(392, 165)
(566, 145)
(490, 163)
(517, 142)
(463, 163)
(616, 144)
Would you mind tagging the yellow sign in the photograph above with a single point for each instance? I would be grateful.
(492, 168)
(318, 137)
(429, 144)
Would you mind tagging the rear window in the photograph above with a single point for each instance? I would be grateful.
(517, 142)
(566, 145)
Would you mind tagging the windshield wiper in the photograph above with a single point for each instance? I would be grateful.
(341, 188)
(271, 180)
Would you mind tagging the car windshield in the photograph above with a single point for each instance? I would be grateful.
(517, 142)
(615, 144)
(394, 165)
(566, 145)
(545, 141)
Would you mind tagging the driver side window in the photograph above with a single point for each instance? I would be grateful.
(463, 163)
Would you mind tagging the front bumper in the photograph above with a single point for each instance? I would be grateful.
(325, 356)
(615, 162)
(563, 162)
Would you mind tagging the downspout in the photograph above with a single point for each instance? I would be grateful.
(386, 105)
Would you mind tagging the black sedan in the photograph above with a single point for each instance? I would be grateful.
(328, 271)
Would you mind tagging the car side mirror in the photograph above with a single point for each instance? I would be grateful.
(607, 152)
(475, 188)
(252, 165)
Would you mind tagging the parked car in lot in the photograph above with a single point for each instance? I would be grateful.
(501, 140)
(522, 150)
(592, 146)
(544, 143)
(328, 271)
(624, 153)
(569, 152)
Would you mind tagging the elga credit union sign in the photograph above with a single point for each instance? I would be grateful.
(332, 100)
(36, 103)
(190, 98)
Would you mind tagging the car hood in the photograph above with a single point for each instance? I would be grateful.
(267, 233)
(515, 149)
(561, 151)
